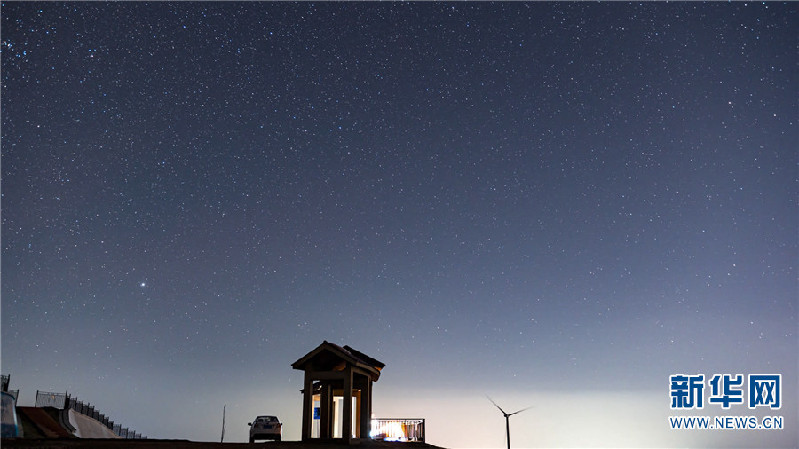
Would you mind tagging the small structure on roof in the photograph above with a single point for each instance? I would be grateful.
(337, 393)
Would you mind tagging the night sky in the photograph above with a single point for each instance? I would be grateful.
(553, 204)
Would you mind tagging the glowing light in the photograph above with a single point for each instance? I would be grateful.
(388, 431)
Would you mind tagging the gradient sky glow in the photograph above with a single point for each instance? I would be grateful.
(555, 204)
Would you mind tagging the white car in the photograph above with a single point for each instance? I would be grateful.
(265, 428)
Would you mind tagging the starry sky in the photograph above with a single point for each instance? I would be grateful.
(553, 204)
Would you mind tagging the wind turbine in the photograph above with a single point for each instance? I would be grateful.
(507, 417)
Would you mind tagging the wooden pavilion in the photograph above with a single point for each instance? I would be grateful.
(337, 392)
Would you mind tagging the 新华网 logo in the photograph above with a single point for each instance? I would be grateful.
(687, 391)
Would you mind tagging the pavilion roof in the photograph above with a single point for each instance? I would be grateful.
(328, 356)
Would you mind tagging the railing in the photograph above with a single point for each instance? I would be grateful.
(14, 393)
(90, 411)
(49, 399)
(64, 401)
(5, 379)
(395, 429)
(125, 433)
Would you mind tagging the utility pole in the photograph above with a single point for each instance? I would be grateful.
(222, 440)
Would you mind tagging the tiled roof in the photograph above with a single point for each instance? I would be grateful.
(346, 353)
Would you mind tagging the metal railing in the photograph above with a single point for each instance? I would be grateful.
(50, 399)
(89, 410)
(64, 401)
(14, 393)
(5, 380)
(397, 429)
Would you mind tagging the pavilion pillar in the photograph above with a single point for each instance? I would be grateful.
(307, 407)
(347, 431)
(366, 408)
(357, 393)
(325, 406)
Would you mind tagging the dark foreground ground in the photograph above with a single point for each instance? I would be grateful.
(69, 443)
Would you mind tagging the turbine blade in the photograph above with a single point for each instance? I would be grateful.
(495, 405)
(519, 411)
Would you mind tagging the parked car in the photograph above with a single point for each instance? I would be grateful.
(265, 428)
